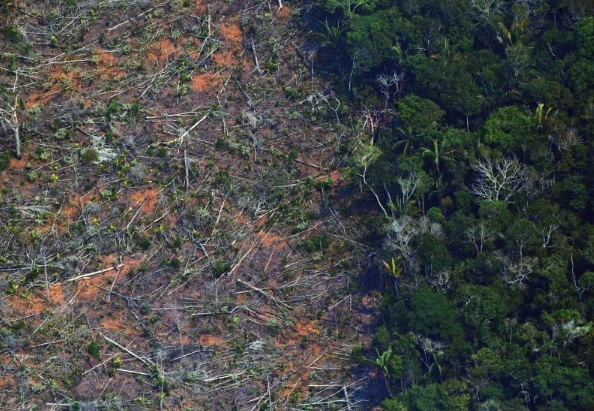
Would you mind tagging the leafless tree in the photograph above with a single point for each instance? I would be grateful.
(9, 117)
(390, 85)
(582, 284)
(441, 281)
(408, 187)
(565, 138)
(478, 235)
(402, 233)
(500, 180)
(546, 234)
(516, 273)
(486, 10)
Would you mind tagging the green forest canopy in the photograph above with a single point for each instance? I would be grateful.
(482, 166)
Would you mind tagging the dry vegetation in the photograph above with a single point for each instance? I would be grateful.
(170, 238)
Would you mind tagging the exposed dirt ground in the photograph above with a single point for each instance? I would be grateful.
(173, 237)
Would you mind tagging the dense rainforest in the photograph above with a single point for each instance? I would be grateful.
(475, 164)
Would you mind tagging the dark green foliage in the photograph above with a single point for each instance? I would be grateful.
(450, 395)
(357, 354)
(504, 289)
(11, 34)
(373, 39)
(509, 129)
(144, 242)
(89, 155)
(220, 268)
(4, 160)
(433, 316)
(432, 253)
(493, 310)
(419, 114)
(94, 349)
(315, 243)
(33, 273)
(112, 109)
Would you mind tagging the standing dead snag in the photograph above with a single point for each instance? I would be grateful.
(500, 180)
(10, 121)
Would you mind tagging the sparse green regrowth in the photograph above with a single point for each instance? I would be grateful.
(94, 349)
(11, 34)
(315, 243)
(89, 156)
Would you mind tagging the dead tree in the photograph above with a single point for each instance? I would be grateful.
(500, 180)
(10, 120)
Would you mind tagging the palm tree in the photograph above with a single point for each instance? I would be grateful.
(409, 136)
(436, 366)
(394, 268)
(383, 362)
(438, 156)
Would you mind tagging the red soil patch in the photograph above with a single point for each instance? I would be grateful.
(18, 164)
(180, 339)
(306, 328)
(209, 339)
(69, 212)
(30, 305)
(291, 385)
(160, 52)
(205, 81)
(6, 381)
(233, 38)
(299, 331)
(224, 59)
(231, 32)
(117, 322)
(37, 97)
(335, 176)
(56, 294)
(107, 64)
(241, 298)
(273, 241)
(88, 287)
(369, 302)
(106, 59)
(285, 12)
(35, 302)
(60, 82)
(146, 198)
(129, 263)
(200, 7)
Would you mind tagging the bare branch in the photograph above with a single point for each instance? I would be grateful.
(500, 180)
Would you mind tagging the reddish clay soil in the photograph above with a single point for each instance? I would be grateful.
(18, 164)
(145, 198)
(59, 82)
(224, 59)
(28, 304)
(57, 296)
(160, 52)
(89, 288)
(69, 212)
(269, 240)
(107, 65)
(206, 82)
(285, 12)
(212, 340)
(231, 32)
(118, 323)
